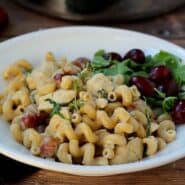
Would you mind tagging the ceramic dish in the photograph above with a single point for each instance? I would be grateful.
(83, 41)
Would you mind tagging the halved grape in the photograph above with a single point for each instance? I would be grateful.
(178, 112)
(112, 56)
(145, 86)
(136, 55)
(160, 74)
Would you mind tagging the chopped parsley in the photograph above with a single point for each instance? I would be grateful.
(102, 93)
(76, 85)
(76, 104)
(148, 125)
(56, 109)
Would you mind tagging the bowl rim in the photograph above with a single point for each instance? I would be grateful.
(80, 169)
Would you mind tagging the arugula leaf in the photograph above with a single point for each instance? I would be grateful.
(131, 64)
(140, 73)
(100, 62)
(162, 58)
(159, 93)
(182, 95)
(153, 102)
(168, 103)
(167, 59)
(118, 68)
(100, 52)
(179, 74)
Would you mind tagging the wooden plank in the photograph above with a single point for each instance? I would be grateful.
(172, 174)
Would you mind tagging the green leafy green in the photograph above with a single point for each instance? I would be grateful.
(162, 58)
(56, 109)
(140, 73)
(159, 93)
(182, 92)
(118, 68)
(100, 62)
(179, 74)
(100, 52)
(169, 60)
(168, 103)
(154, 102)
(182, 95)
(131, 64)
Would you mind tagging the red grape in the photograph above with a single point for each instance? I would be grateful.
(160, 74)
(169, 87)
(112, 56)
(136, 55)
(178, 112)
(145, 86)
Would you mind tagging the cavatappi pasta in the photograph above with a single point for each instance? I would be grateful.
(64, 111)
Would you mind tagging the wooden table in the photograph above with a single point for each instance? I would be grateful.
(170, 27)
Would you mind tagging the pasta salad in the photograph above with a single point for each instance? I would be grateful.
(104, 111)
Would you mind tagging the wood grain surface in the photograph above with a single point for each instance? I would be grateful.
(170, 27)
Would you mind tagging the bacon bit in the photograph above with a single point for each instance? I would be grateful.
(58, 77)
(29, 121)
(48, 147)
(81, 62)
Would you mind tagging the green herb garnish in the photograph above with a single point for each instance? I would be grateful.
(56, 109)
(102, 93)
(76, 104)
(76, 85)
(148, 126)
(86, 72)
(168, 103)
(28, 72)
(33, 98)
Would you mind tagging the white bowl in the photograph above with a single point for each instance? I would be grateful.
(74, 42)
